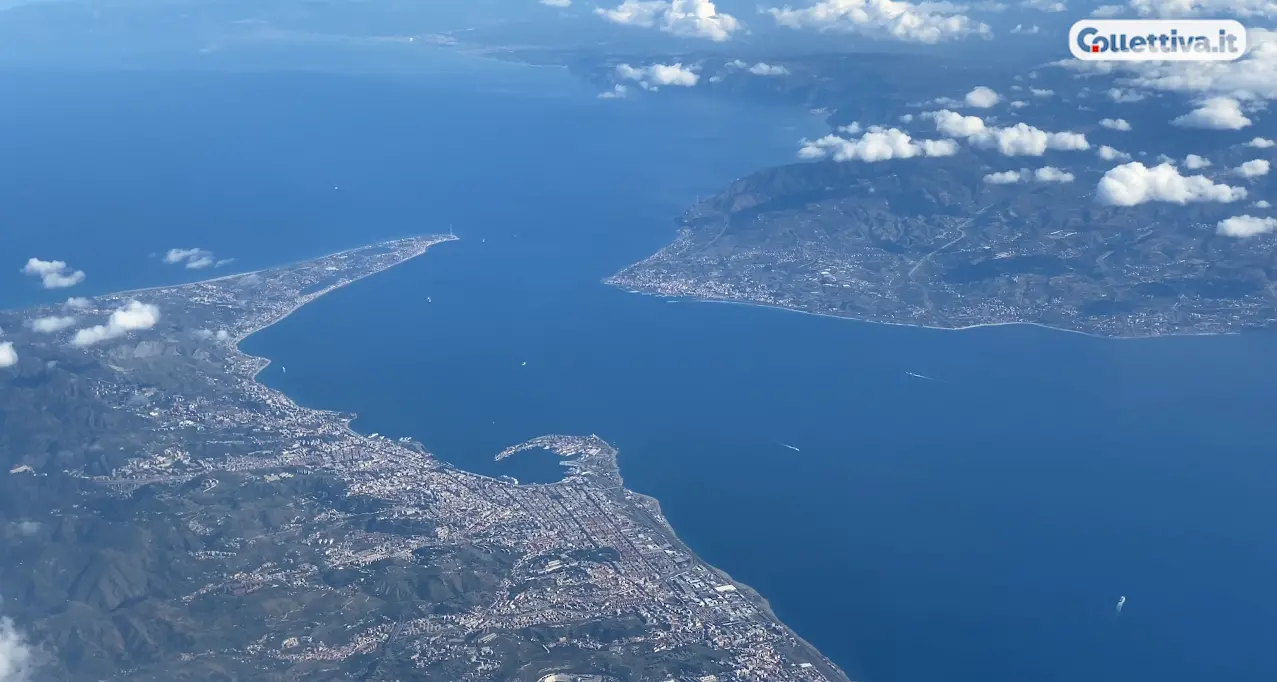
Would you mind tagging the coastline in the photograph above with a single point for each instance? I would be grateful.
(772, 306)
(751, 594)
(442, 238)
(265, 362)
(818, 658)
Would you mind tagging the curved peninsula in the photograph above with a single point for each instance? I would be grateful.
(190, 523)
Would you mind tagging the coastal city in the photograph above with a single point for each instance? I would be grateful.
(351, 547)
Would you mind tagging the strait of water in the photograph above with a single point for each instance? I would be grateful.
(977, 527)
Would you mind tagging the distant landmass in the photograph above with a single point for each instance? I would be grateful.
(926, 242)
(164, 516)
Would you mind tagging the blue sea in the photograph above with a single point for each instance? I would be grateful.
(978, 527)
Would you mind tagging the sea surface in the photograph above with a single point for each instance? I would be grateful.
(978, 526)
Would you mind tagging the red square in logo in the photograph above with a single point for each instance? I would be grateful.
(1095, 48)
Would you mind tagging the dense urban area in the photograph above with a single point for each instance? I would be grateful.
(180, 520)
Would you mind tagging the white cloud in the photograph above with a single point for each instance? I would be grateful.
(1044, 5)
(52, 323)
(1020, 139)
(853, 128)
(925, 22)
(1026, 30)
(132, 317)
(1253, 76)
(220, 334)
(77, 302)
(1110, 154)
(1045, 174)
(1052, 174)
(954, 124)
(683, 18)
(180, 255)
(1134, 183)
(632, 13)
(195, 259)
(1263, 203)
(1246, 226)
(1115, 124)
(878, 144)
(1214, 8)
(53, 274)
(1003, 178)
(1105, 11)
(1018, 104)
(8, 358)
(1195, 162)
(981, 98)
(1261, 143)
(1215, 113)
(906, 118)
(699, 19)
(1254, 168)
(1122, 96)
(618, 91)
(761, 69)
(1041, 92)
(556, 3)
(17, 660)
(654, 75)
